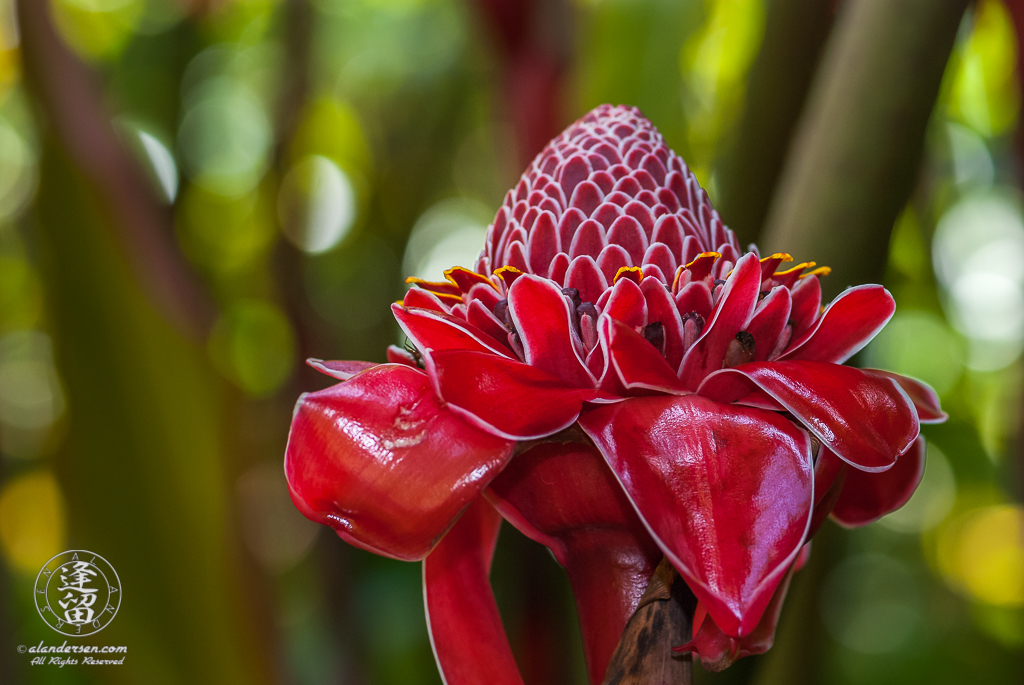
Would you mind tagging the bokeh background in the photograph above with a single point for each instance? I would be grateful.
(196, 195)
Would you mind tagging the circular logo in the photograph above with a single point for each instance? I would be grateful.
(77, 593)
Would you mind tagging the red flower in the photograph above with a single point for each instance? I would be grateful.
(669, 395)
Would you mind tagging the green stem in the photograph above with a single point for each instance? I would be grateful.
(857, 150)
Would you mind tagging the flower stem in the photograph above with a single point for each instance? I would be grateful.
(662, 620)
(855, 155)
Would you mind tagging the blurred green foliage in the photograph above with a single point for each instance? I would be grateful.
(307, 155)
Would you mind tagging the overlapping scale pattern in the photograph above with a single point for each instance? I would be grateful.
(608, 200)
(610, 190)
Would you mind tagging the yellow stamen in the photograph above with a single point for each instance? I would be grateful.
(798, 267)
(704, 255)
(820, 271)
(781, 256)
(500, 273)
(480, 278)
(412, 280)
(624, 272)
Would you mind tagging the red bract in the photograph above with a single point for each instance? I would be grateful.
(671, 396)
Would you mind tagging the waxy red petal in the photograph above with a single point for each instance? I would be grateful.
(465, 279)
(342, 370)
(481, 317)
(636, 361)
(867, 497)
(694, 298)
(730, 388)
(846, 326)
(562, 495)
(545, 323)
(734, 308)
(718, 651)
(584, 275)
(806, 304)
(767, 322)
(506, 397)
(424, 299)
(829, 475)
(726, 491)
(925, 400)
(430, 330)
(383, 462)
(400, 355)
(866, 419)
(661, 307)
(466, 633)
(626, 303)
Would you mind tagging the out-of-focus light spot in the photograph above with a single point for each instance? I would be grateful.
(972, 162)
(225, 138)
(10, 58)
(254, 346)
(332, 128)
(982, 553)
(381, 49)
(484, 163)
(21, 295)
(985, 94)
(907, 250)
(352, 287)
(978, 253)
(162, 162)
(990, 305)
(932, 501)
(714, 62)
(1005, 624)
(225, 234)
(9, 37)
(727, 43)
(17, 172)
(451, 233)
(273, 529)
(161, 15)
(316, 205)
(921, 345)
(970, 226)
(30, 395)
(871, 603)
(98, 29)
(32, 527)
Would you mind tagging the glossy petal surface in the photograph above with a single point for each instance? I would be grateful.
(506, 397)
(636, 361)
(431, 330)
(544, 320)
(725, 490)
(466, 633)
(383, 462)
(734, 309)
(921, 394)
(866, 419)
(847, 325)
(867, 497)
(342, 370)
(718, 651)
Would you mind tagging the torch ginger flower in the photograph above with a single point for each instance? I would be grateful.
(622, 383)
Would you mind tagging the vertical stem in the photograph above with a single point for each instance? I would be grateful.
(532, 38)
(795, 34)
(856, 153)
(70, 98)
(663, 620)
